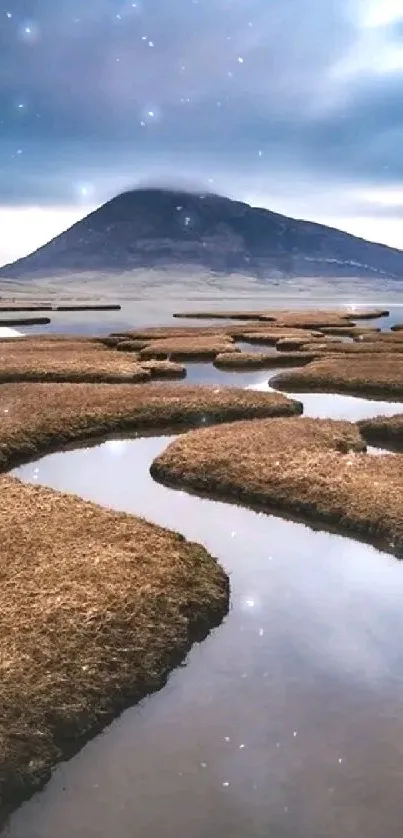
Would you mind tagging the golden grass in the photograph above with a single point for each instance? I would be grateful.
(261, 360)
(95, 608)
(78, 364)
(374, 374)
(310, 468)
(234, 330)
(310, 317)
(382, 337)
(352, 348)
(181, 349)
(350, 331)
(270, 337)
(164, 369)
(383, 430)
(36, 418)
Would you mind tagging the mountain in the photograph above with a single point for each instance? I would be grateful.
(156, 228)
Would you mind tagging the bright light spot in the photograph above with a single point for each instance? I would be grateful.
(21, 106)
(151, 43)
(115, 445)
(250, 603)
(240, 59)
(9, 15)
(226, 784)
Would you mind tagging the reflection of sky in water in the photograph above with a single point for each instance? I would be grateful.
(298, 692)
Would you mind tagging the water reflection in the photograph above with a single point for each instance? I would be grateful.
(287, 720)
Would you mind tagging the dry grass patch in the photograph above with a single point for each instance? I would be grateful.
(303, 467)
(351, 348)
(182, 349)
(398, 327)
(350, 331)
(164, 369)
(270, 337)
(55, 362)
(374, 374)
(383, 430)
(96, 607)
(261, 360)
(381, 337)
(310, 317)
(37, 418)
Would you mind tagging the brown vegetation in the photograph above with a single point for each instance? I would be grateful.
(181, 349)
(375, 374)
(383, 430)
(261, 360)
(303, 467)
(164, 369)
(128, 345)
(350, 331)
(78, 364)
(36, 418)
(398, 327)
(382, 337)
(351, 348)
(270, 337)
(95, 608)
(310, 316)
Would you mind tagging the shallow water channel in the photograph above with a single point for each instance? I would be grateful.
(288, 719)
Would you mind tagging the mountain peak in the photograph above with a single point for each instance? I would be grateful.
(154, 227)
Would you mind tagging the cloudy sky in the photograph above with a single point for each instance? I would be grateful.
(296, 105)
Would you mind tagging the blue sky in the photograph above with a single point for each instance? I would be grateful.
(296, 105)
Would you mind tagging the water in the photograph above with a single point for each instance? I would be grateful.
(286, 721)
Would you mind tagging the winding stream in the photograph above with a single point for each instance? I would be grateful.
(288, 719)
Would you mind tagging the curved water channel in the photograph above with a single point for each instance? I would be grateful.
(288, 719)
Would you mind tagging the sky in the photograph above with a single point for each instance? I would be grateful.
(294, 105)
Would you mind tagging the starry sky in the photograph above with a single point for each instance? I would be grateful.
(296, 105)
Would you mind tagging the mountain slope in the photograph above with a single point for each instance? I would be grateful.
(152, 227)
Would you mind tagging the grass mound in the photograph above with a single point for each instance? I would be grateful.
(61, 362)
(261, 360)
(350, 331)
(183, 349)
(288, 316)
(383, 430)
(352, 348)
(164, 369)
(309, 468)
(374, 374)
(36, 418)
(95, 608)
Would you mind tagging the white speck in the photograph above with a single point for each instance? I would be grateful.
(230, 74)
(227, 739)
(241, 747)
(183, 67)
(27, 30)
(144, 37)
(20, 105)
(340, 760)
(277, 744)
(150, 113)
(295, 733)
(142, 123)
(151, 43)
(9, 15)
(118, 59)
(260, 153)
(240, 59)
(233, 534)
(250, 603)
(250, 24)
(203, 764)
(85, 667)
(118, 17)
(226, 784)
(6, 410)
(261, 632)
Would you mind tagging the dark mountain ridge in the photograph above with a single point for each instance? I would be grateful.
(161, 227)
